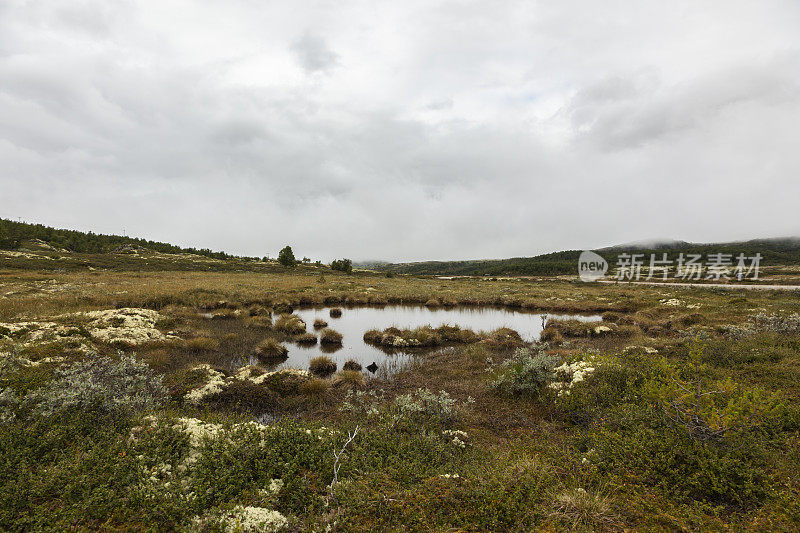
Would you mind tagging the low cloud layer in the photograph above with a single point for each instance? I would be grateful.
(402, 131)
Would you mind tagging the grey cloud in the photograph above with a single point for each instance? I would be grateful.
(619, 113)
(438, 140)
(313, 53)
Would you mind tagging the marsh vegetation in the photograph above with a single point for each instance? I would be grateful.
(149, 401)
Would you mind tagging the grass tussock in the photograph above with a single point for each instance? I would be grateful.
(422, 337)
(322, 366)
(270, 350)
(348, 378)
(336, 312)
(283, 307)
(290, 325)
(306, 339)
(330, 336)
(581, 510)
(320, 323)
(352, 364)
(503, 339)
(315, 388)
(201, 344)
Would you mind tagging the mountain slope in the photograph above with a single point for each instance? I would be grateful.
(780, 251)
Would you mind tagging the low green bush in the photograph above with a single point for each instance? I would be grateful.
(527, 372)
(100, 384)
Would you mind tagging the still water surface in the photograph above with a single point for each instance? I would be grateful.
(356, 321)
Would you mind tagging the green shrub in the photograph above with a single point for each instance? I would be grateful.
(286, 257)
(649, 452)
(249, 458)
(100, 384)
(428, 406)
(342, 265)
(708, 408)
(527, 372)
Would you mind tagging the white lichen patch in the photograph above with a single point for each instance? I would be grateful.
(635, 348)
(601, 330)
(22, 335)
(217, 381)
(456, 437)
(214, 385)
(131, 326)
(570, 374)
(26, 255)
(242, 519)
(197, 430)
(274, 487)
(251, 373)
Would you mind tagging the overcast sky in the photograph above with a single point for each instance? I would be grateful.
(402, 130)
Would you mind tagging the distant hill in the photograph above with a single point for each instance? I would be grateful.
(780, 251)
(38, 247)
(15, 235)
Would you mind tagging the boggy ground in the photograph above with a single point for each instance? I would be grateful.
(680, 413)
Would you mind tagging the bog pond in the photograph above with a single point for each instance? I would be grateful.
(354, 322)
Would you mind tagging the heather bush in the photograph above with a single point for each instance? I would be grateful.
(527, 372)
(109, 386)
(428, 406)
(788, 325)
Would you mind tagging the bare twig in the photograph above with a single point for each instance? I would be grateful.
(337, 456)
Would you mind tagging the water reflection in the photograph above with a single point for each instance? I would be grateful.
(354, 322)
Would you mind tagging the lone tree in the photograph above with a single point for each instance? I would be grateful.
(286, 257)
(343, 265)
